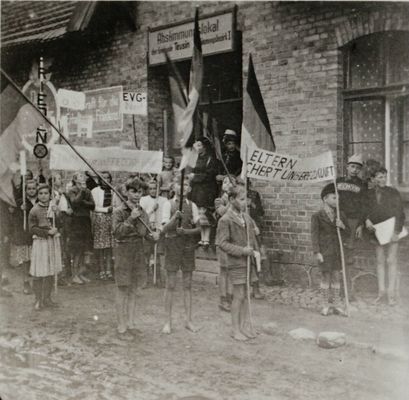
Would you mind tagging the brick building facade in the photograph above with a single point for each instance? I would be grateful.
(317, 91)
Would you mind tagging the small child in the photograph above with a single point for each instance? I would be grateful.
(325, 245)
(180, 229)
(384, 202)
(165, 178)
(129, 233)
(221, 205)
(46, 253)
(153, 206)
(236, 238)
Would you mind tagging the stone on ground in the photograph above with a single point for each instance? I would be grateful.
(270, 328)
(331, 340)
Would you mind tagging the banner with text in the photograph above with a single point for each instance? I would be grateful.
(216, 33)
(271, 166)
(106, 159)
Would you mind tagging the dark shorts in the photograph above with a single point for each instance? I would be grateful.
(238, 275)
(129, 263)
(179, 254)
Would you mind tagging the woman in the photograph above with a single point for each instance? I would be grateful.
(204, 187)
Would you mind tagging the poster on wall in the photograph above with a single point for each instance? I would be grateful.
(102, 112)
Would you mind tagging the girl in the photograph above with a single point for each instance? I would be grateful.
(204, 187)
(102, 225)
(46, 253)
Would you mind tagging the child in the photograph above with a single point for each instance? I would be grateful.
(46, 253)
(102, 225)
(165, 178)
(153, 206)
(236, 238)
(80, 236)
(326, 248)
(180, 229)
(384, 202)
(21, 238)
(221, 205)
(129, 233)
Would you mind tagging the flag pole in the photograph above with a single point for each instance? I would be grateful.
(23, 172)
(248, 245)
(341, 247)
(182, 182)
(54, 238)
(155, 246)
(71, 146)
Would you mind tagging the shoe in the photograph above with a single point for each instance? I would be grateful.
(84, 278)
(50, 303)
(77, 280)
(200, 243)
(27, 288)
(392, 301)
(326, 310)
(62, 282)
(205, 245)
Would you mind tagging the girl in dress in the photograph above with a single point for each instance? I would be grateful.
(46, 252)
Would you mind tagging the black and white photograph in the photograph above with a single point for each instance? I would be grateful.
(204, 200)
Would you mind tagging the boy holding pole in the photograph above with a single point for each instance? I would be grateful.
(236, 238)
(326, 247)
(180, 219)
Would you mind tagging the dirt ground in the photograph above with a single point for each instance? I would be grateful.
(75, 353)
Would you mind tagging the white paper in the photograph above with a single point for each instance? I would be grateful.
(257, 257)
(384, 231)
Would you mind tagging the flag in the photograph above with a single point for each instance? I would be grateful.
(18, 119)
(184, 109)
(255, 131)
(210, 132)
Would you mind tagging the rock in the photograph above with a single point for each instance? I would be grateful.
(270, 328)
(302, 333)
(331, 340)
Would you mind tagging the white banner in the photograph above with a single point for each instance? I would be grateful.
(271, 166)
(111, 159)
(71, 99)
(134, 103)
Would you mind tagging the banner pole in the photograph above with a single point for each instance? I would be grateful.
(71, 146)
(341, 247)
(248, 245)
(54, 238)
(155, 247)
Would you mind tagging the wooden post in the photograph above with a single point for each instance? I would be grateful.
(165, 131)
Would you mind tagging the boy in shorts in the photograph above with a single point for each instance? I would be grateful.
(181, 230)
(129, 233)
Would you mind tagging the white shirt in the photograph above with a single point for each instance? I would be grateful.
(167, 207)
(148, 204)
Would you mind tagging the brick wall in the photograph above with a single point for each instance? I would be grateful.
(295, 48)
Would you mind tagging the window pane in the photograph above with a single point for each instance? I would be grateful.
(398, 68)
(372, 151)
(367, 120)
(366, 63)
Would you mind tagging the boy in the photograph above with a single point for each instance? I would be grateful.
(153, 206)
(352, 192)
(325, 245)
(129, 233)
(231, 237)
(181, 229)
(384, 202)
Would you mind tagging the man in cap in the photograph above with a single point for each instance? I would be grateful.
(352, 194)
(231, 155)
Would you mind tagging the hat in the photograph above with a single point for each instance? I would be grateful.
(229, 134)
(356, 159)
(328, 189)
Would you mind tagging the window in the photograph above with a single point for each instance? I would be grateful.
(376, 101)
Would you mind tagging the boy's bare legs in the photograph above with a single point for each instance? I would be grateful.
(170, 289)
(121, 307)
(245, 327)
(187, 300)
(132, 298)
(380, 272)
(392, 272)
(238, 299)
